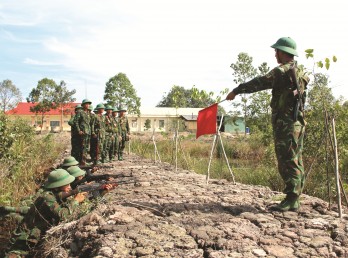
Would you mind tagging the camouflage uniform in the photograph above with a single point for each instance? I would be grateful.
(46, 211)
(288, 134)
(98, 133)
(93, 150)
(82, 123)
(75, 138)
(109, 131)
(124, 133)
(116, 135)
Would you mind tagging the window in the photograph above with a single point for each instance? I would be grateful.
(54, 123)
(134, 123)
(161, 123)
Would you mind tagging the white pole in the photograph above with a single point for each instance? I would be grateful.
(211, 157)
(337, 177)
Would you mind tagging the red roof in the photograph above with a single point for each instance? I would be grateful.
(23, 108)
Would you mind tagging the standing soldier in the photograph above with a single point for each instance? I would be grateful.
(117, 130)
(288, 83)
(124, 131)
(83, 125)
(109, 130)
(75, 137)
(92, 144)
(98, 133)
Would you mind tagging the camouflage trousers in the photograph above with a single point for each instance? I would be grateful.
(107, 150)
(96, 149)
(75, 146)
(122, 143)
(85, 145)
(288, 142)
(115, 145)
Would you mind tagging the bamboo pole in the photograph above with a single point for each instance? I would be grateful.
(338, 188)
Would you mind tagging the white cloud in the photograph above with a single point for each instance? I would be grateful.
(162, 43)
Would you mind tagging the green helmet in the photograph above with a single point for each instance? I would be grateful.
(75, 171)
(69, 161)
(108, 107)
(78, 106)
(286, 44)
(85, 101)
(115, 109)
(100, 106)
(90, 107)
(58, 178)
(120, 109)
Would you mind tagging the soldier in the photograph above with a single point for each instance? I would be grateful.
(75, 137)
(93, 141)
(124, 131)
(109, 130)
(83, 126)
(116, 134)
(98, 133)
(68, 162)
(287, 120)
(47, 210)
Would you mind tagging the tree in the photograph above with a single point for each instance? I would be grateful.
(120, 91)
(243, 70)
(63, 96)
(179, 97)
(10, 95)
(44, 96)
(147, 124)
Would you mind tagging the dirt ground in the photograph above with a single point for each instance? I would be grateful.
(168, 213)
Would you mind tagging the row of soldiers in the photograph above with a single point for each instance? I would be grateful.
(103, 136)
(57, 200)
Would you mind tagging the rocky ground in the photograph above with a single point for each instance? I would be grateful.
(176, 214)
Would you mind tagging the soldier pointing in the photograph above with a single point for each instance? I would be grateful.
(287, 117)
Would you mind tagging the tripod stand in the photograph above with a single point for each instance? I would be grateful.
(217, 137)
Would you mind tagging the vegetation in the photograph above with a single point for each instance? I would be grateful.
(10, 95)
(48, 95)
(120, 91)
(25, 158)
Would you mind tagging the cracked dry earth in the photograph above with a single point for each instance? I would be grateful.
(176, 214)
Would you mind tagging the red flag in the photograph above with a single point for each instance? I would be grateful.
(206, 120)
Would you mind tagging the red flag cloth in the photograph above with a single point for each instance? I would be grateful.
(206, 120)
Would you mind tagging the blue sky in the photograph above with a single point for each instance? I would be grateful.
(160, 43)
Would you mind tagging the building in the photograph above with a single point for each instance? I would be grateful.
(160, 119)
(51, 120)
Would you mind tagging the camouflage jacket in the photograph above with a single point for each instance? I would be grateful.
(283, 88)
(109, 124)
(117, 128)
(124, 125)
(47, 211)
(82, 122)
(98, 125)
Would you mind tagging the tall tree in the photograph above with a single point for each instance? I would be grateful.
(10, 95)
(62, 97)
(243, 70)
(44, 96)
(120, 91)
(179, 97)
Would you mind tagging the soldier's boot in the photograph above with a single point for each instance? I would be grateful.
(120, 155)
(290, 203)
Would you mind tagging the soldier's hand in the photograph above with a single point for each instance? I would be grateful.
(80, 197)
(94, 135)
(231, 96)
(80, 133)
(119, 138)
(108, 187)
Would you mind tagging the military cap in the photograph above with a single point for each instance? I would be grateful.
(78, 106)
(75, 171)
(287, 45)
(115, 109)
(90, 107)
(120, 109)
(58, 178)
(108, 107)
(85, 101)
(69, 161)
(100, 106)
